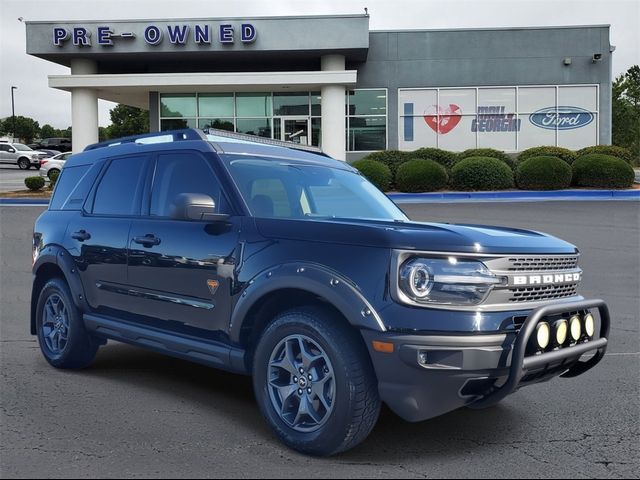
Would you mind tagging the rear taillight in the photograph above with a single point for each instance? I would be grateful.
(42, 162)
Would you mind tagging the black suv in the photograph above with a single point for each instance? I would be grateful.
(289, 266)
(57, 143)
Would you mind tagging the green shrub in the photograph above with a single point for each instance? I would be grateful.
(481, 173)
(488, 152)
(559, 152)
(391, 158)
(602, 171)
(543, 173)
(421, 176)
(619, 152)
(376, 172)
(34, 183)
(53, 178)
(443, 157)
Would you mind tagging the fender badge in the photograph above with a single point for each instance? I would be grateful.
(213, 286)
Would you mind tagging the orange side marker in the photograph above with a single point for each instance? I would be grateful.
(383, 347)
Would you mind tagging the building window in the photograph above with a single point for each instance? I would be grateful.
(256, 113)
(366, 111)
(509, 118)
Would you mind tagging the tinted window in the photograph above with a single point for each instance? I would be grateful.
(5, 148)
(69, 179)
(183, 172)
(119, 190)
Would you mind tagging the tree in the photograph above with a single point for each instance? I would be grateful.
(47, 131)
(26, 128)
(626, 110)
(128, 121)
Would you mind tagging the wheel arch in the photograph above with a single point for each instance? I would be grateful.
(290, 285)
(55, 262)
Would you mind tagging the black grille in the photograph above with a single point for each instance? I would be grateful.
(543, 264)
(535, 294)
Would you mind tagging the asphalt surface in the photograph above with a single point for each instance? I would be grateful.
(12, 178)
(138, 414)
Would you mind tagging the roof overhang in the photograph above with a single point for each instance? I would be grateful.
(133, 89)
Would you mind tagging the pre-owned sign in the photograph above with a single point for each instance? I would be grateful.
(180, 34)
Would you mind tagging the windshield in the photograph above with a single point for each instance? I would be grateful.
(283, 189)
(21, 148)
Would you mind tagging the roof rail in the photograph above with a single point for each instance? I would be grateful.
(216, 135)
(155, 137)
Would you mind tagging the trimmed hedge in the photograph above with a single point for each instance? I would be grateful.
(619, 152)
(602, 171)
(488, 152)
(419, 175)
(34, 183)
(543, 173)
(53, 178)
(444, 157)
(391, 158)
(481, 173)
(559, 152)
(376, 172)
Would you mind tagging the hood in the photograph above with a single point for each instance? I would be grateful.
(439, 237)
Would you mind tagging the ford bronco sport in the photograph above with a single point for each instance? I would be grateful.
(287, 265)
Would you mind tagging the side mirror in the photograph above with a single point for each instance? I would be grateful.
(196, 206)
(12, 150)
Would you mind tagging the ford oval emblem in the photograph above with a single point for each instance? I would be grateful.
(562, 118)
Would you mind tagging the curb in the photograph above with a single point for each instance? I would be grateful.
(523, 196)
(447, 197)
(23, 201)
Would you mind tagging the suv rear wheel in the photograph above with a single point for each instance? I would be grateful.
(63, 340)
(24, 163)
(314, 382)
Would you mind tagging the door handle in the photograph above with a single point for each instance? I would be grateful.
(81, 235)
(149, 240)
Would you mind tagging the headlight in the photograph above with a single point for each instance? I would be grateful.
(446, 281)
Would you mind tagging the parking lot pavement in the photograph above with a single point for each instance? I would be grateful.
(135, 413)
(12, 178)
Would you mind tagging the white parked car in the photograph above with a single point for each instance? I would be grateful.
(21, 155)
(53, 164)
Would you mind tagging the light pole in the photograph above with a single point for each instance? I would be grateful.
(13, 115)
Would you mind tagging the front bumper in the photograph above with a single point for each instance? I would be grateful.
(427, 376)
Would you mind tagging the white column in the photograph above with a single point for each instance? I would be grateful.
(333, 111)
(84, 107)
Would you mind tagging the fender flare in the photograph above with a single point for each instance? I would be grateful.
(60, 257)
(316, 279)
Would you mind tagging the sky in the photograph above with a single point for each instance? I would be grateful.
(34, 98)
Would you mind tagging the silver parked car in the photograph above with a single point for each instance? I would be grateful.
(53, 164)
(21, 155)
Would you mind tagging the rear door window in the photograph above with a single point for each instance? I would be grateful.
(120, 189)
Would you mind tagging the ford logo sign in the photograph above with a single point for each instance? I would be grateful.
(562, 118)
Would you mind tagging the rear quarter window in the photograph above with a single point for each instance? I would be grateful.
(72, 187)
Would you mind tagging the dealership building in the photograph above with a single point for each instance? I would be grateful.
(330, 81)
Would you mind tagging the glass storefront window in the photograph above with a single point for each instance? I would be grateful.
(177, 123)
(294, 103)
(253, 105)
(316, 107)
(315, 132)
(254, 126)
(178, 105)
(218, 123)
(367, 133)
(367, 102)
(215, 105)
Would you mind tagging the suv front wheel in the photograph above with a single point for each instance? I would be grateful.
(24, 163)
(314, 382)
(61, 333)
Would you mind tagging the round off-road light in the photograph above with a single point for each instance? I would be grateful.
(576, 328)
(561, 328)
(589, 325)
(543, 335)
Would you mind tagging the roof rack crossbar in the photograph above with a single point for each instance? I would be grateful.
(177, 135)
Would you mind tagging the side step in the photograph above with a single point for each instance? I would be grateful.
(208, 353)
